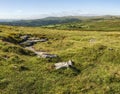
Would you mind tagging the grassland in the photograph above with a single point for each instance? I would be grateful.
(95, 54)
(98, 24)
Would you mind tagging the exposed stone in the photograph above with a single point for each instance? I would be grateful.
(41, 53)
(38, 39)
(92, 40)
(30, 48)
(25, 37)
(30, 42)
(111, 49)
(63, 64)
(48, 56)
(27, 43)
(43, 40)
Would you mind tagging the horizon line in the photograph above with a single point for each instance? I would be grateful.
(82, 15)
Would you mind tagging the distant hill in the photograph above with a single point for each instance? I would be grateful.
(101, 23)
(7, 20)
(42, 22)
(70, 22)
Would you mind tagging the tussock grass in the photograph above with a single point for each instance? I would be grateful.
(96, 57)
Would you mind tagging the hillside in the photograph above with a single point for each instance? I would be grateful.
(96, 57)
(92, 24)
(56, 20)
(41, 22)
(86, 23)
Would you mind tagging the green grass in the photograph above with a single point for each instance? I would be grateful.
(89, 25)
(96, 56)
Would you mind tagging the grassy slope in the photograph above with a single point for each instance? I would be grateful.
(96, 56)
(90, 25)
(75, 22)
(41, 22)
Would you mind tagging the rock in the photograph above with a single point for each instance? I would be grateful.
(30, 42)
(25, 37)
(48, 56)
(111, 49)
(43, 40)
(30, 48)
(92, 40)
(41, 53)
(27, 43)
(38, 40)
(63, 64)
(34, 39)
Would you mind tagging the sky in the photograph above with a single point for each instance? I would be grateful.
(34, 9)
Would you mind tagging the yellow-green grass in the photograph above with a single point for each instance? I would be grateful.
(95, 54)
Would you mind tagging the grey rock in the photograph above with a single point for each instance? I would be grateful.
(30, 42)
(41, 54)
(27, 43)
(48, 56)
(63, 64)
(25, 37)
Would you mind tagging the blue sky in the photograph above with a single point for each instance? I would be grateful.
(17, 9)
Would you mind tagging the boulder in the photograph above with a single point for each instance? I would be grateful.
(63, 64)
